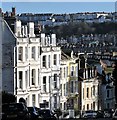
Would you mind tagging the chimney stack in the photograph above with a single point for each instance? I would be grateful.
(13, 11)
(31, 29)
(53, 39)
(18, 28)
(42, 39)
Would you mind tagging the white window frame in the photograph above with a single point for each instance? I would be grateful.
(55, 81)
(33, 76)
(44, 84)
(55, 59)
(72, 70)
(20, 80)
(44, 62)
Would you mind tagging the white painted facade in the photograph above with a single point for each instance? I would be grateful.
(27, 64)
(31, 69)
(90, 94)
(50, 72)
(64, 82)
(23, 71)
(37, 68)
(69, 82)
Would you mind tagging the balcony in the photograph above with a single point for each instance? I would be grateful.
(34, 40)
(55, 90)
(22, 40)
(73, 78)
(50, 48)
(45, 49)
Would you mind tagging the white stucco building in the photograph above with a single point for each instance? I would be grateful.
(37, 67)
(31, 68)
(27, 64)
(69, 82)
(50, 72)
(90, 94)
(30, 65)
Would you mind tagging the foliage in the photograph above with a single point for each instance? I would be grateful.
(58, 112)
(8, 97)
(78, 28)
(22, 100)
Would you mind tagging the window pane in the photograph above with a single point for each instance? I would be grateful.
(64, 72)
(44, 83)
(33, 100)
(55, 80)
(87, 92)
(44, 80)
(26, 53)
(94, 90)
(33, 76)
(87, 106)
(55, 59)
(49, 61)
(20, 79)
(55, 101)
(26, 78)
(33, 52)
(38, 52)
(72, 71)
(107, 93)
(44, 61)
(93, 105)
(72, 87)
(20, 56)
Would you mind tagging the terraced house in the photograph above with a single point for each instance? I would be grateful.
(69, 82)
(31, 65)
(36, 69)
